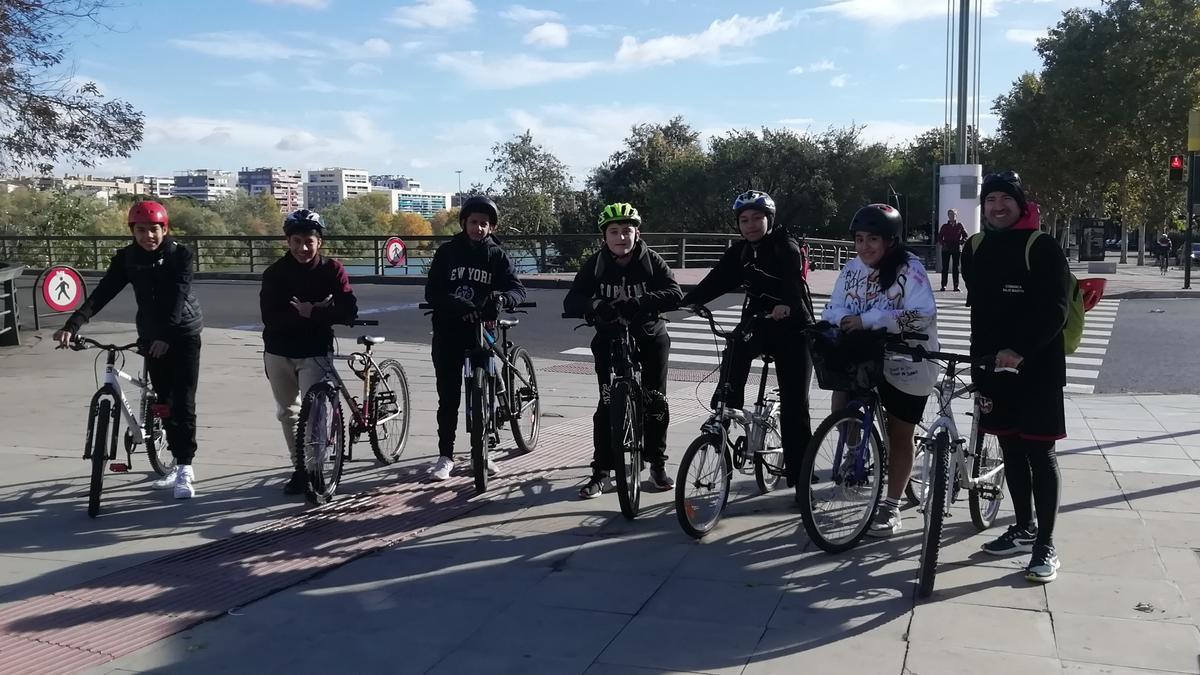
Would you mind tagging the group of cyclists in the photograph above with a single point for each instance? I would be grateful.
(1017, 290)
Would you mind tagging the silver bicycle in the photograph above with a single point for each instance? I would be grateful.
(108, 406)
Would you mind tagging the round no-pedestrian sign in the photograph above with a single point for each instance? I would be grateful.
(395, 252)
(62, 288)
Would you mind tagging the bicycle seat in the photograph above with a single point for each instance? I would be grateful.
(371, 339)
(508, 323)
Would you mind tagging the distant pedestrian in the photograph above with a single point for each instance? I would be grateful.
(951, 237)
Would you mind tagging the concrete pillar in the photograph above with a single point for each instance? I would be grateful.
(958, 189)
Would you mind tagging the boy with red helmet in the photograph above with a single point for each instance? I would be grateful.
(168, 324)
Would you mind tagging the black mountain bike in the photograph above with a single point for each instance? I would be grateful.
(626, 417)
(501, 386)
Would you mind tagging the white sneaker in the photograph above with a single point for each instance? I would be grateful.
(183, 483)
(492, 469)
(167, 480)
(441, 469)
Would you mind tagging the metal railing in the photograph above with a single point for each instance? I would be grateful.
(363, 255)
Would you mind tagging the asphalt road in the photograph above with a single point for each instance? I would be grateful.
(1149, 351)
(1153, 348)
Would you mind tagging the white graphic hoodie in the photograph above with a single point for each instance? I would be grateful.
(907, 307)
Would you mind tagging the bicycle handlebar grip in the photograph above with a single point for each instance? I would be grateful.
(914, 336)
(424, 305)
(520, 305)
(365, 322)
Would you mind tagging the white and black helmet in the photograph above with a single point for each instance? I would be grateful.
(303, 221)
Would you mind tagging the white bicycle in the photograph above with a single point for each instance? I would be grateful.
(108, 406)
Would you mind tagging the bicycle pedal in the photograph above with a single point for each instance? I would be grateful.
(118, 467)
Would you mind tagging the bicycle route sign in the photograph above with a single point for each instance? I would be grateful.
(395, 252)
(62, 288)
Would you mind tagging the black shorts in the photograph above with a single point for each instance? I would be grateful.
(902, 406)
(1034, 413)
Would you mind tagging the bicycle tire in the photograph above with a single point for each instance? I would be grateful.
(935, 512)
(394, 433)
(768, 465)
(985, 454)
(685, 509)
(161, 459)
(525, 432)
(877, 467)
(625, 443)
(100, 441)
(477, 424)
(328, 452)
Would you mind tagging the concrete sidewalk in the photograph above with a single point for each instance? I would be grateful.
(530, 580)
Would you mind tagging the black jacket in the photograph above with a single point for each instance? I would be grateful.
(1016, 308)
(646, 278)
(463, 275)
(285, 332)
(162, 285)
(771, 272)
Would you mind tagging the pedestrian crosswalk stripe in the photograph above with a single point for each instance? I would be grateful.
(692, 342)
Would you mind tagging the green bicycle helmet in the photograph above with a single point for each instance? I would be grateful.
(620, 212)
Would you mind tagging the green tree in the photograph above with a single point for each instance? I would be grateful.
(629, 173)
(445, 223)
(531, 183)
(408, 224)
(45, 116)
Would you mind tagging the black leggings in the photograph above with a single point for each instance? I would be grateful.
(1031, 470)
(950, 254)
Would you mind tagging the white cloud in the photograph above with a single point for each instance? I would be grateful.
(523, 14)
(307, 4)
(256, 79)
(892, 132)
(893, 11)
(364, 70)
(323, 87)
(1024, 36)
(418, 163)
(597, 29)
(839, 81)
(299, 141)
(254, 46)
(411, 46)
(435, 14)
(732, 32)
(553, 35)
(817, 67)
(515, 71)
(796, 121)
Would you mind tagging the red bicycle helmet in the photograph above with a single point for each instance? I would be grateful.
(1093, 290)
(148, 212)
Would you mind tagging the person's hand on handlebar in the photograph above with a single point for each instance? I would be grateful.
(492, 307)
(628, 308)
(1007, 359)
(851, 323)
(64, 338)
(605, 311)
(781, 312)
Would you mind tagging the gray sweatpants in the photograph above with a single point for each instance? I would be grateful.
(290, 379)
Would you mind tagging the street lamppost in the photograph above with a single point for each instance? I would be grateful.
(459, 172)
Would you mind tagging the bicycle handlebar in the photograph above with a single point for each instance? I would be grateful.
(79, 343)
(519, 305)
(364, 322)
(704, 312)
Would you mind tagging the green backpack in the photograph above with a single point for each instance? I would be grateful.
(1073, 331)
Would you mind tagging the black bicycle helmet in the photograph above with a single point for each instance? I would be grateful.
(303, 221)
(881, 219)
(479, 204)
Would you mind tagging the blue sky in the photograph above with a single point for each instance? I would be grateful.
(426, 87)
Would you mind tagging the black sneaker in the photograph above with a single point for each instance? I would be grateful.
(297, 484)
(1043, 566)
(1016, 540)
(597, 485)
(660, 479)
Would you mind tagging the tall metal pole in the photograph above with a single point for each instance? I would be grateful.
(459, 172)
(964, 49)
(1193, 167)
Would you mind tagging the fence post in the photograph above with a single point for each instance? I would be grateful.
(683, 253)
(196, 243)
(377, 255)
(95, 254)
(250, 243)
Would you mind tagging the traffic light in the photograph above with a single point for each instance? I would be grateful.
(1176, 168)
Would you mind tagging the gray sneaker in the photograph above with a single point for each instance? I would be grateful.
(885, 523)
(1043, 566)
(1016, 539)
(597, 485)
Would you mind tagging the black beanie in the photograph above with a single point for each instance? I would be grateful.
(995, 183)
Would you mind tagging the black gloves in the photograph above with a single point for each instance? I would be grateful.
(606, 311)
(629, 308)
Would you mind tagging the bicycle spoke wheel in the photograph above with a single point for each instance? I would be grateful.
(840, 480)
(100, 438)
(321, 441)
(389, 412)
(526, 409)
(161, 459)
(917, 489)
(477, 424)
(935, 513)
(702, 486)
(768, 463)
(625, 436)
(985, 498)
